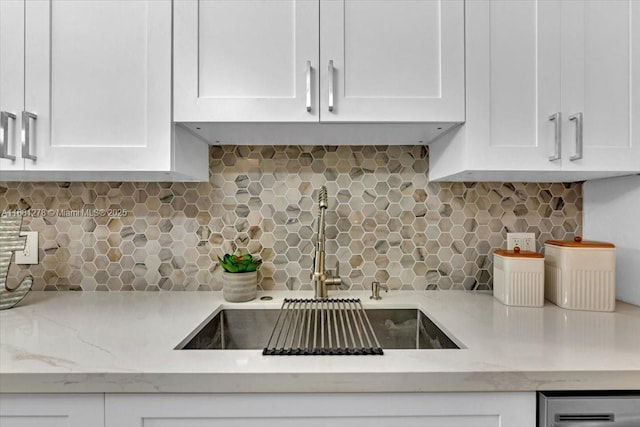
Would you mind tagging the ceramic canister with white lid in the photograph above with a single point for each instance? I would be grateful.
(518, 277)
(580, 274)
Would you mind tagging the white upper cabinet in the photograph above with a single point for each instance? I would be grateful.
(246, 61)
(11, 83)
(96, 88)
(318, 61)
(546, 80)
(87, 82)
(391, 61)
(601, 81)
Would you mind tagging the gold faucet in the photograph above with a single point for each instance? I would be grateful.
(320, 277)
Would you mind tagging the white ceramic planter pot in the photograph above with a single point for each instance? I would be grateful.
(239, 287)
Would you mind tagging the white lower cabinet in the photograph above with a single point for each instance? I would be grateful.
(326, 409)
(269, 409)
(52, 410)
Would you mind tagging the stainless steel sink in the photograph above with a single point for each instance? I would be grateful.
(246, 329)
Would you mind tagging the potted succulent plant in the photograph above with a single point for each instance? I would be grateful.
(240, 277)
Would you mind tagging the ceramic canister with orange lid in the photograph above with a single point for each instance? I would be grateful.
(580, 274)
(518, 277)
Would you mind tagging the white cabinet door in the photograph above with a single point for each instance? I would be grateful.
(601, 80)
(513, 62)
(98, 78)
(320, 410)
(11, 82)
(527, 61)
(52, 410)
(246, 61)
(393, 60)
(513, 84)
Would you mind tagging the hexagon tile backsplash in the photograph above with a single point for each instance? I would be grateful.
(385, 222)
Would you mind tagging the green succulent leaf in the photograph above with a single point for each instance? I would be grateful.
(239, 263)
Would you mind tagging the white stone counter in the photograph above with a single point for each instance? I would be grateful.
(124, 342)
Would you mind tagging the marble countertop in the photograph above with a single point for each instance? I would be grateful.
(124, 342)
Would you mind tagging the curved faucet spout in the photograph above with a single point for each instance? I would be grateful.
(320, 278)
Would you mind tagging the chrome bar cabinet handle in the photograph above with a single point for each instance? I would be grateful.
(309, 86)
(26, 134)
(4, 134)
(557, 119)
(331, 85)
(578, 119)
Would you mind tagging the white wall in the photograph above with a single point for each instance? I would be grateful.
(612, 213)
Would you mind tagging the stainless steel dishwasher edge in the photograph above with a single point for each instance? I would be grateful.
(589, 409)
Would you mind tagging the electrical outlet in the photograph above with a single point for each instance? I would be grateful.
(526, 241)
(30, 253)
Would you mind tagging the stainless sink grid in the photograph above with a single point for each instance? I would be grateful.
(322, 327)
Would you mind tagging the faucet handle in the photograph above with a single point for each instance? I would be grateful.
(330, 272)
(334, 280)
